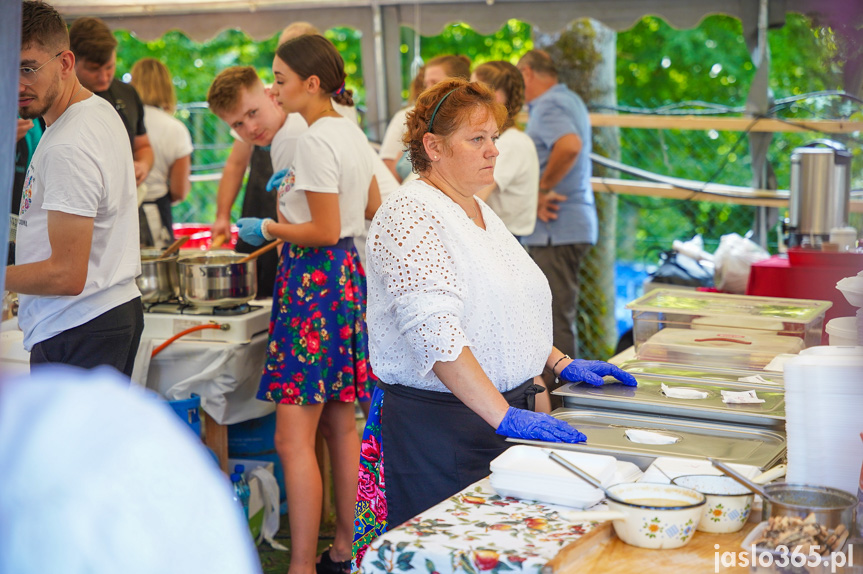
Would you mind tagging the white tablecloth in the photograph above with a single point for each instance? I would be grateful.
(224, 375)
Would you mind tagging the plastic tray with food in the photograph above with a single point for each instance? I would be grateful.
(793, 544)
(737, 314)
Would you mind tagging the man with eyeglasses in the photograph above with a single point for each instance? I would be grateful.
(77, 251)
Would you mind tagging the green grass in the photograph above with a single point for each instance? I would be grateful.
(277, 561)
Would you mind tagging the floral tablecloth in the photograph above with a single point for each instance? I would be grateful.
(474, 531)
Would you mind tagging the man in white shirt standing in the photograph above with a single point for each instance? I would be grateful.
(77, 251)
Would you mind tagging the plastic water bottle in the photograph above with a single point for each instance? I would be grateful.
(241, 470)
(241, 492)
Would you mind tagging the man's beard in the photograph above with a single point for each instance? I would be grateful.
(34, 110)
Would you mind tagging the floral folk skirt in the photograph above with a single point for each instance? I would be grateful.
(370, 514)
(318, 348)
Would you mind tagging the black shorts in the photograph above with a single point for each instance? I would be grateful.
(112, 339)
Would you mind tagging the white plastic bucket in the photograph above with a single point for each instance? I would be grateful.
(842, 331)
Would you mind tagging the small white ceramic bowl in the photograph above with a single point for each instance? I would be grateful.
(728, 503)
(645, 525)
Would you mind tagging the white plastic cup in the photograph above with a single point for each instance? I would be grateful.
(842, 331)
(845, 238)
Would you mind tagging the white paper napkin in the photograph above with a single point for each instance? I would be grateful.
(777, 364)
(755, 379)
(649, 437)
(740, 397)
(681, 393)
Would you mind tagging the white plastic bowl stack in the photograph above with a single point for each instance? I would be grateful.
(527, 473)
(860, 326)
(852, 289)
(823, 406)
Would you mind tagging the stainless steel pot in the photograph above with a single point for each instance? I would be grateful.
(159, 279)
(831, 506)
(216, 279)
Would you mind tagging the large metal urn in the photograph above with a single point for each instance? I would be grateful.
(820, 192)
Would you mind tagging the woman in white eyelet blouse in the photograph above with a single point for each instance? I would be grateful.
(459, 321)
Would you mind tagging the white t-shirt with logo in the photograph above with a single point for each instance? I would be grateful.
(284, 144)
(170, 140)
(82, 166)
(332, 156)
(516, 173)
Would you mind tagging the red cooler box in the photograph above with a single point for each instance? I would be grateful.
(200, 236)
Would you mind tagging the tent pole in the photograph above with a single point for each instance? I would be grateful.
(10, 61)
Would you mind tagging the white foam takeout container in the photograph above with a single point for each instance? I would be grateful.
(526, 472)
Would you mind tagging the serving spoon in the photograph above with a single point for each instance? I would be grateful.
(173, 248)
(258, 252)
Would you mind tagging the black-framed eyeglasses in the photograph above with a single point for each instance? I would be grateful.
(28, 75)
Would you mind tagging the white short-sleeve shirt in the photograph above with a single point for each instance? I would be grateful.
(332, 156)
(516, 173)
(284, 144)
(82, 166)
(392, 146)
(438, 283)
(170, 140)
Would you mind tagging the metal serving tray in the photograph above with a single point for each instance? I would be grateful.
(647, 398)
(689, 372)
(697, 439)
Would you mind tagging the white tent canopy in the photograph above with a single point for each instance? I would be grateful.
(203, 19)
(379, 22)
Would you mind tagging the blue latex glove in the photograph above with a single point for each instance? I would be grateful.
(276, 179)
(520, 423)
(250, 230)
(591, 372)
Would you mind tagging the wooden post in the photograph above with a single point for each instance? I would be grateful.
(216, 437)
(323, 455)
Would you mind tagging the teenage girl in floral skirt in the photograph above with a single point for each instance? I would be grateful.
(317, 357)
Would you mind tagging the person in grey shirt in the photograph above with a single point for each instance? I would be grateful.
(566, 224)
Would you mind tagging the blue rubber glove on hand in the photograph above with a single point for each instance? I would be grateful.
(276, 179)
(591, 372)
(250, 230)
(520, 423)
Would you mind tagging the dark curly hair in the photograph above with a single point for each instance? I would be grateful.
(314, 55)
(503, 76)
(461, 99)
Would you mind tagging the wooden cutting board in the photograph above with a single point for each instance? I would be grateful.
(600, 550)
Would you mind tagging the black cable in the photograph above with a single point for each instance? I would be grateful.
(668, 110)
(824, 93)
(648, 176)
(714, 109)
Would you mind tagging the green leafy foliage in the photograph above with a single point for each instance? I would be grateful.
(509, 43)
(656, 65)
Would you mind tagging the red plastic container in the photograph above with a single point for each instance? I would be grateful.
(814, 258)
(200, 235)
